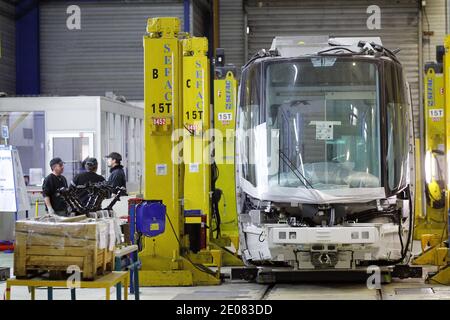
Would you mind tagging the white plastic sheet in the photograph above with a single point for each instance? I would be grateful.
(314, 196)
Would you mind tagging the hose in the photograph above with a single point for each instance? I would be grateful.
(216, 195)
(199, 267)
(404, 249)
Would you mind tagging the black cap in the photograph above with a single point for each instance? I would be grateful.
(55, 161)
(114, 155)
(91, 162)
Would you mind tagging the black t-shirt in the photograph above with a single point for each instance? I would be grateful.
(50, 187)
(84, 178)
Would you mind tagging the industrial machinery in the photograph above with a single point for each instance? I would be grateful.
(432, 219)
(432, 223)
(325, 157)
(223, 178)
(177, 223)
(88, 198)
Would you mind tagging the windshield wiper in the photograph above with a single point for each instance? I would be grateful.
(294, 170)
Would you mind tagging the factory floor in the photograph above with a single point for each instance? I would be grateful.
(415, 289)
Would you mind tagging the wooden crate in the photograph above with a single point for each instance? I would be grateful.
(44, 246)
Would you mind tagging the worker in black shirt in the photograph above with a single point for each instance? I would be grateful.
(117, 174)
(88, 177)
(54, 202)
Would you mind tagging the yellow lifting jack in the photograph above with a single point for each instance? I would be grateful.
(179, 246)
(432, 223)
(225, 102)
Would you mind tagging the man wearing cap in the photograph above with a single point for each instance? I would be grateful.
(54, 202)
(117, 174)
(90, 176)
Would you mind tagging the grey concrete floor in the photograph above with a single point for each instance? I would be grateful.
(238, 290)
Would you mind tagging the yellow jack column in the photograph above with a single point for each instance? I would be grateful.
(225, 101)
(196, 148)
(197, 154)
(438, 138)
(433, 220)
(163, 260)
(196, 123)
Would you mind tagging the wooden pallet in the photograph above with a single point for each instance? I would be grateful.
(42, 247)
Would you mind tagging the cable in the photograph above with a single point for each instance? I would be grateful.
(337, 48)
(404, 249)
(370, 214)
(256, 56)
(391, 54)
(225, 211)
(215, 203)
(216, 173)
(200, 267)
(400, 231)
(140, 243)
(261, 54)
(440, 241)
(216, 195)
(191, 132)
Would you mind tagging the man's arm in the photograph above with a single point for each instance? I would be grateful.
(49, 205)
(47, 189)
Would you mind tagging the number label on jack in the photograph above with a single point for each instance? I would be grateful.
(436, 113)
(225, 116)
(161, 107)
(159, 121)
(194, 115)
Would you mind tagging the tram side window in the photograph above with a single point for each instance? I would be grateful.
(250, 118)
(397, 126)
